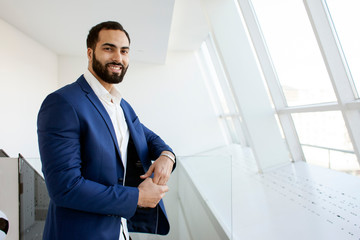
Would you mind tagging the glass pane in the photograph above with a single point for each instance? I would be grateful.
(218, 78)
(345, 15)
(323, 129)
(199, 199)
(235, 131)
(294, 51)
(340, 161)
(325, 140)
(220, 91)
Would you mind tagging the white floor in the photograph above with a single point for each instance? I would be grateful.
(296, 201)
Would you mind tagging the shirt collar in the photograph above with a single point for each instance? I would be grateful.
(100, 91)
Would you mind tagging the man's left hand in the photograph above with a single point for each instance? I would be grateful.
(161, 168)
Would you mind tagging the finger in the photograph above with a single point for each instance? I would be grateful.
(157, 178)
(163, 180)
(165, 176)
(148, 173)
(165, 188)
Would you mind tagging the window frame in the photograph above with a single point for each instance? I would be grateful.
(230, 120)
(337, 68)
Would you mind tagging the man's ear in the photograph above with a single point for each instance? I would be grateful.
(89, 54)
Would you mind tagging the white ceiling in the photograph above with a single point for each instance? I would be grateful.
(154, 25)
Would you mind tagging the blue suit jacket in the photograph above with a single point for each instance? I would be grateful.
(83, 170)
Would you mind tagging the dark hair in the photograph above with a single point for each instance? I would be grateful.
(4, 225)
(93, 36)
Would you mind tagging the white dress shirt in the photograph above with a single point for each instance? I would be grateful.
(111, 101)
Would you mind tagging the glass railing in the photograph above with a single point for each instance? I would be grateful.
(332, 158)
(223, 195)
(205, 193)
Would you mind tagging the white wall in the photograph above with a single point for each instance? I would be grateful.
(71, 67)
(28, 72)
(170, 99)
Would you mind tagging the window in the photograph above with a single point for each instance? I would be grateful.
(325, 140)
(323, 129)
(345, 15)
(218, 86)
(320, 127)
(294, 51)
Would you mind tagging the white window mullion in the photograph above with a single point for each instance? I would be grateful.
(220, 92)
(271, 79)
(336, 64)
(228, 92)
(353, 105)
(320, 107)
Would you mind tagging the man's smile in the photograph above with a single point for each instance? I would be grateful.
(115, 68)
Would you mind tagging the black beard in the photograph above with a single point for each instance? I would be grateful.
(104, 74)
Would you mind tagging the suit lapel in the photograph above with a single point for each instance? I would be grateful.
(100, 108)
(135, 133)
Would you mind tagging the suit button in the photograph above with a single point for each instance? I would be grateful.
(120, 180)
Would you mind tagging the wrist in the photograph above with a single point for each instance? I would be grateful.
(169, 155)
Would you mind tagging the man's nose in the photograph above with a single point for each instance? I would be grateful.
(117, 57)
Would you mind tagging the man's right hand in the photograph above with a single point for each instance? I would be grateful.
(150, 193)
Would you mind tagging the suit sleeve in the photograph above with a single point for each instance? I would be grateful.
(155, 144)
(59, 145)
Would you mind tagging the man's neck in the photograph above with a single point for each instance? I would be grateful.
(107, 86)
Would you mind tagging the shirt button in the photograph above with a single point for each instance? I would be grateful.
(120, 180)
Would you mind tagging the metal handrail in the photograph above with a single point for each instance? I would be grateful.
(330, 149)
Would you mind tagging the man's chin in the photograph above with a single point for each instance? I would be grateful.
(113, 80)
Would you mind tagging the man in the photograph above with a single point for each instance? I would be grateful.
(96, 155)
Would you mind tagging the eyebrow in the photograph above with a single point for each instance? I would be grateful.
(114, 46)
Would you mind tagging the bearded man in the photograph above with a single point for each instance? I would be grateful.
(97, 156)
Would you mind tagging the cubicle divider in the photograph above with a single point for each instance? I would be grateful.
(23, 198)
(9, 194)
(34, 201)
